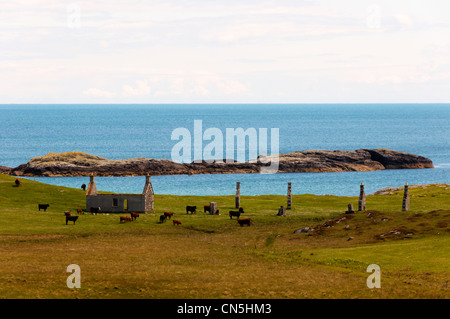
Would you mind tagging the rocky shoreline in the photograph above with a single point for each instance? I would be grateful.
(82, 164)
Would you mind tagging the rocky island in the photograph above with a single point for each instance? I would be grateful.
(83, 164)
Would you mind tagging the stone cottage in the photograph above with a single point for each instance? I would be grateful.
(120, 203)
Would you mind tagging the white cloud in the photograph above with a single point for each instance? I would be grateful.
(104, 44)
(199, 84)
(142, 88)
(129, 25)
(97, 93)
(404, 20)
(138, 51)
(278, 30)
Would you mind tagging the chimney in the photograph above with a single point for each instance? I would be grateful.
(148, 194)
(92, 189)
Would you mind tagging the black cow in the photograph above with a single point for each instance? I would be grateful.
(245, 221)
(236, 213)
(95, 210)
(83, 187)
(71, 218)
(191, 209)
(162, 218)
(43, 206)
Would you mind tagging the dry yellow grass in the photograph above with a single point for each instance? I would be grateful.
(144, 265)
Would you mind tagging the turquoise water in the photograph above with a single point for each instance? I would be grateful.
(129, 131)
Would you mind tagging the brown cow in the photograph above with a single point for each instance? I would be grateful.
(168, 215)
(245, 221)
(125, 219)
(79, 211)
(134, 215)
(176, 222)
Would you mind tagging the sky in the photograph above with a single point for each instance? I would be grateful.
(216, 51)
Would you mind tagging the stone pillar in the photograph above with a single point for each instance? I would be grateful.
(212, 208)
(362, 199)
(350, 209)
(282, 211)
(238, 195)
(289, 196)
(405, 206)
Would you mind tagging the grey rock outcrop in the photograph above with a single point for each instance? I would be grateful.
(82, 164)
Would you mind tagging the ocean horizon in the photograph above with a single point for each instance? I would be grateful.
(119, 131)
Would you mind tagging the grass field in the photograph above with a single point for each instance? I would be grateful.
(213, 257)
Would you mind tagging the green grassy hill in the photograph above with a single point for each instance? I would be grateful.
(213, 257)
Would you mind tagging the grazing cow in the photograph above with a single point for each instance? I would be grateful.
(79, 211)
(71, 218)
(176, 222)
(43, 206)
(207, 208)
(134, 215)
(168, 214)
(191, 209)
(67, 213)
(83, 187)
(18, 182)
(125, 219)
(236, 213)
(95, 210)
(245, 221)
(162, 218)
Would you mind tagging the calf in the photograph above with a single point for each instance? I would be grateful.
(71, 218)
(79, 211)
(236, 213)
(168, 214)
(176, 222)
(43, 206)
(134, 215)
(207, 208)
(162, 218)
(245, 221)
(191, 209)
(18, 182)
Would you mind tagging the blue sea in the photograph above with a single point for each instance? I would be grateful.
(130, 131)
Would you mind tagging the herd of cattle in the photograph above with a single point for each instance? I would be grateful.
(163, 218)
(206, 209)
